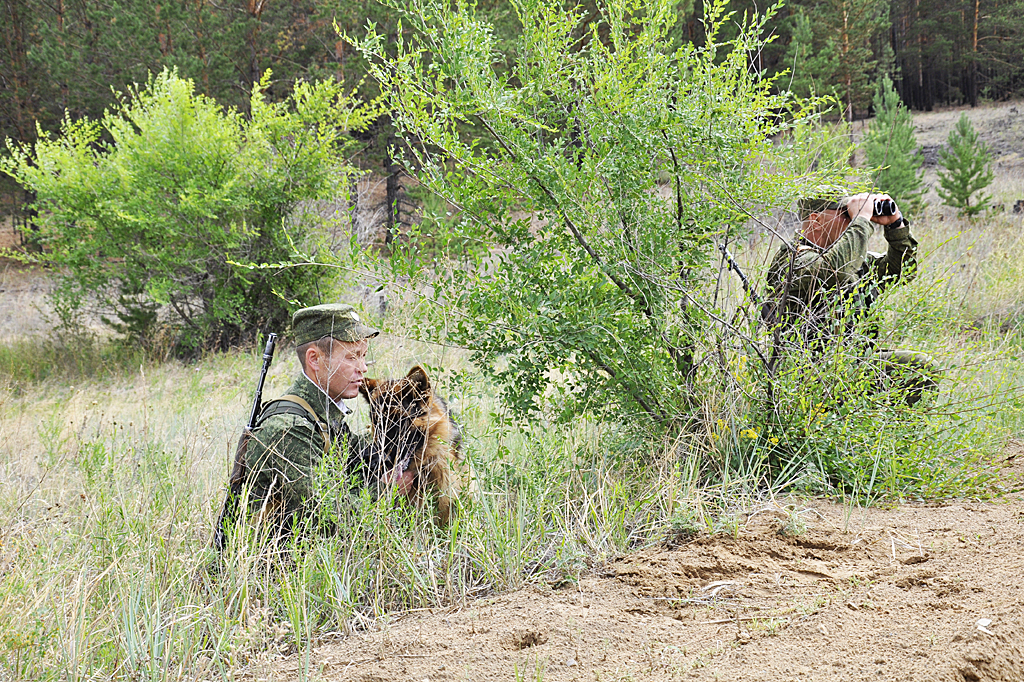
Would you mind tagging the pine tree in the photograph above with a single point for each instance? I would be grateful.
(891, 147)
(830, 50)
(810, 74)
(968, 165)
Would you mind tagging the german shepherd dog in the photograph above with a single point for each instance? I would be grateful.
(411, 428)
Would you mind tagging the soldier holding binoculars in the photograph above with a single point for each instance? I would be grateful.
(828, 278)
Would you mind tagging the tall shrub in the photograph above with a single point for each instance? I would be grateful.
(142, 212)
(594, 172)
(968, 170)
(892, 150)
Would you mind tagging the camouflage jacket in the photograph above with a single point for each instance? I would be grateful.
(286, 450)
(824, 284)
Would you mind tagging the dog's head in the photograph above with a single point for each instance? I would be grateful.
(399, 411)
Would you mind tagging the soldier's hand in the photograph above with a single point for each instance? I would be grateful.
(863, 206)
(886, 219)
(403, 482)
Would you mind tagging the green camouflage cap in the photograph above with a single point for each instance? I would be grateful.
(817, 205)
(338, 320)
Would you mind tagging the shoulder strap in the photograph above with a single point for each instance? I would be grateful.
(293, 404)
(286, 404)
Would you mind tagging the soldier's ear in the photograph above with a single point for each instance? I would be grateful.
(418, 376)
(311, 357)
(367, 387)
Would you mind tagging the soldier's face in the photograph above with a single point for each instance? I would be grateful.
(341, 374)
(826, 227)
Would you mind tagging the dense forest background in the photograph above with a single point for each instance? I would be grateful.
(71, 56)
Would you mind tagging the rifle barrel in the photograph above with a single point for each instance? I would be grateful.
(257, 402)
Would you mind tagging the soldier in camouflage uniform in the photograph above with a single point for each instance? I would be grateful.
(296, 430)
(829, 278)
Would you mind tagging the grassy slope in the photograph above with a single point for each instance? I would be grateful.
(111, 481)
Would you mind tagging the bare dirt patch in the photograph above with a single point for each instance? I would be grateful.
(920, 592)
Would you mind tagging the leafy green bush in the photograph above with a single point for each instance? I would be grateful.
(892, 150)
(598, 172)
(141, 213)
(968, 165)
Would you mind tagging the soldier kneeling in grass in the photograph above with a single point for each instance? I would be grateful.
(276, 467)
(828, 279)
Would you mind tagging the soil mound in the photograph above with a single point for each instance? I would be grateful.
(989, 655)
(812, 592)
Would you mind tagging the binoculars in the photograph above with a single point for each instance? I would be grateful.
(885, 207)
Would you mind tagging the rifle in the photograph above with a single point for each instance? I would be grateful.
(743, 278)
(239, 469)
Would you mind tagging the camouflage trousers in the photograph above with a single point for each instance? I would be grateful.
(908, 372)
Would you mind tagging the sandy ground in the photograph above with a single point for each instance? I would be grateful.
(914, 593)
(929, 592)
(23, 306)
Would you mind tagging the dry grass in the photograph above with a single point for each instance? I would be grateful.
(112, 471)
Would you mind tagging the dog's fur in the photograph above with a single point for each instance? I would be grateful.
(410, 423)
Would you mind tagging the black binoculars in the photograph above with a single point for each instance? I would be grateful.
(885, 207)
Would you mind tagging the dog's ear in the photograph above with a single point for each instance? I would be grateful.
(418, 377)
(367, 387)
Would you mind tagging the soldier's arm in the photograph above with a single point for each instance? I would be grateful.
(837, 263)
(359, 462)
(283, 455)
(900, 259)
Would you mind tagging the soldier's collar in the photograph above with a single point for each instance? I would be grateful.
(345, 409)
(802, 242)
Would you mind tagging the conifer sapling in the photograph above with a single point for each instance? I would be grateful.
(891, 148)
(968, 165)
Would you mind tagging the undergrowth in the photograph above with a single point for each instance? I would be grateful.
(114, 465)
(69, 357)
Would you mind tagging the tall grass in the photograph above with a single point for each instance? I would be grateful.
(111, 487)
(112, 474)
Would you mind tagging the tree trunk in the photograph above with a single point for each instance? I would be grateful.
(255, 8)
(973, 89)
(23, 118)
(846, 65)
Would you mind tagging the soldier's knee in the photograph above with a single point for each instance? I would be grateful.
(913, 371)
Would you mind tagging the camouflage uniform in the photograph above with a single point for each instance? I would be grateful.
(287, 446)
(285, 451)
(826, 289)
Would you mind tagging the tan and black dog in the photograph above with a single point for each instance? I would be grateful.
(410, 428)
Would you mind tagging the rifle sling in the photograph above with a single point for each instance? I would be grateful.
(286, 404)
(293, 404)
